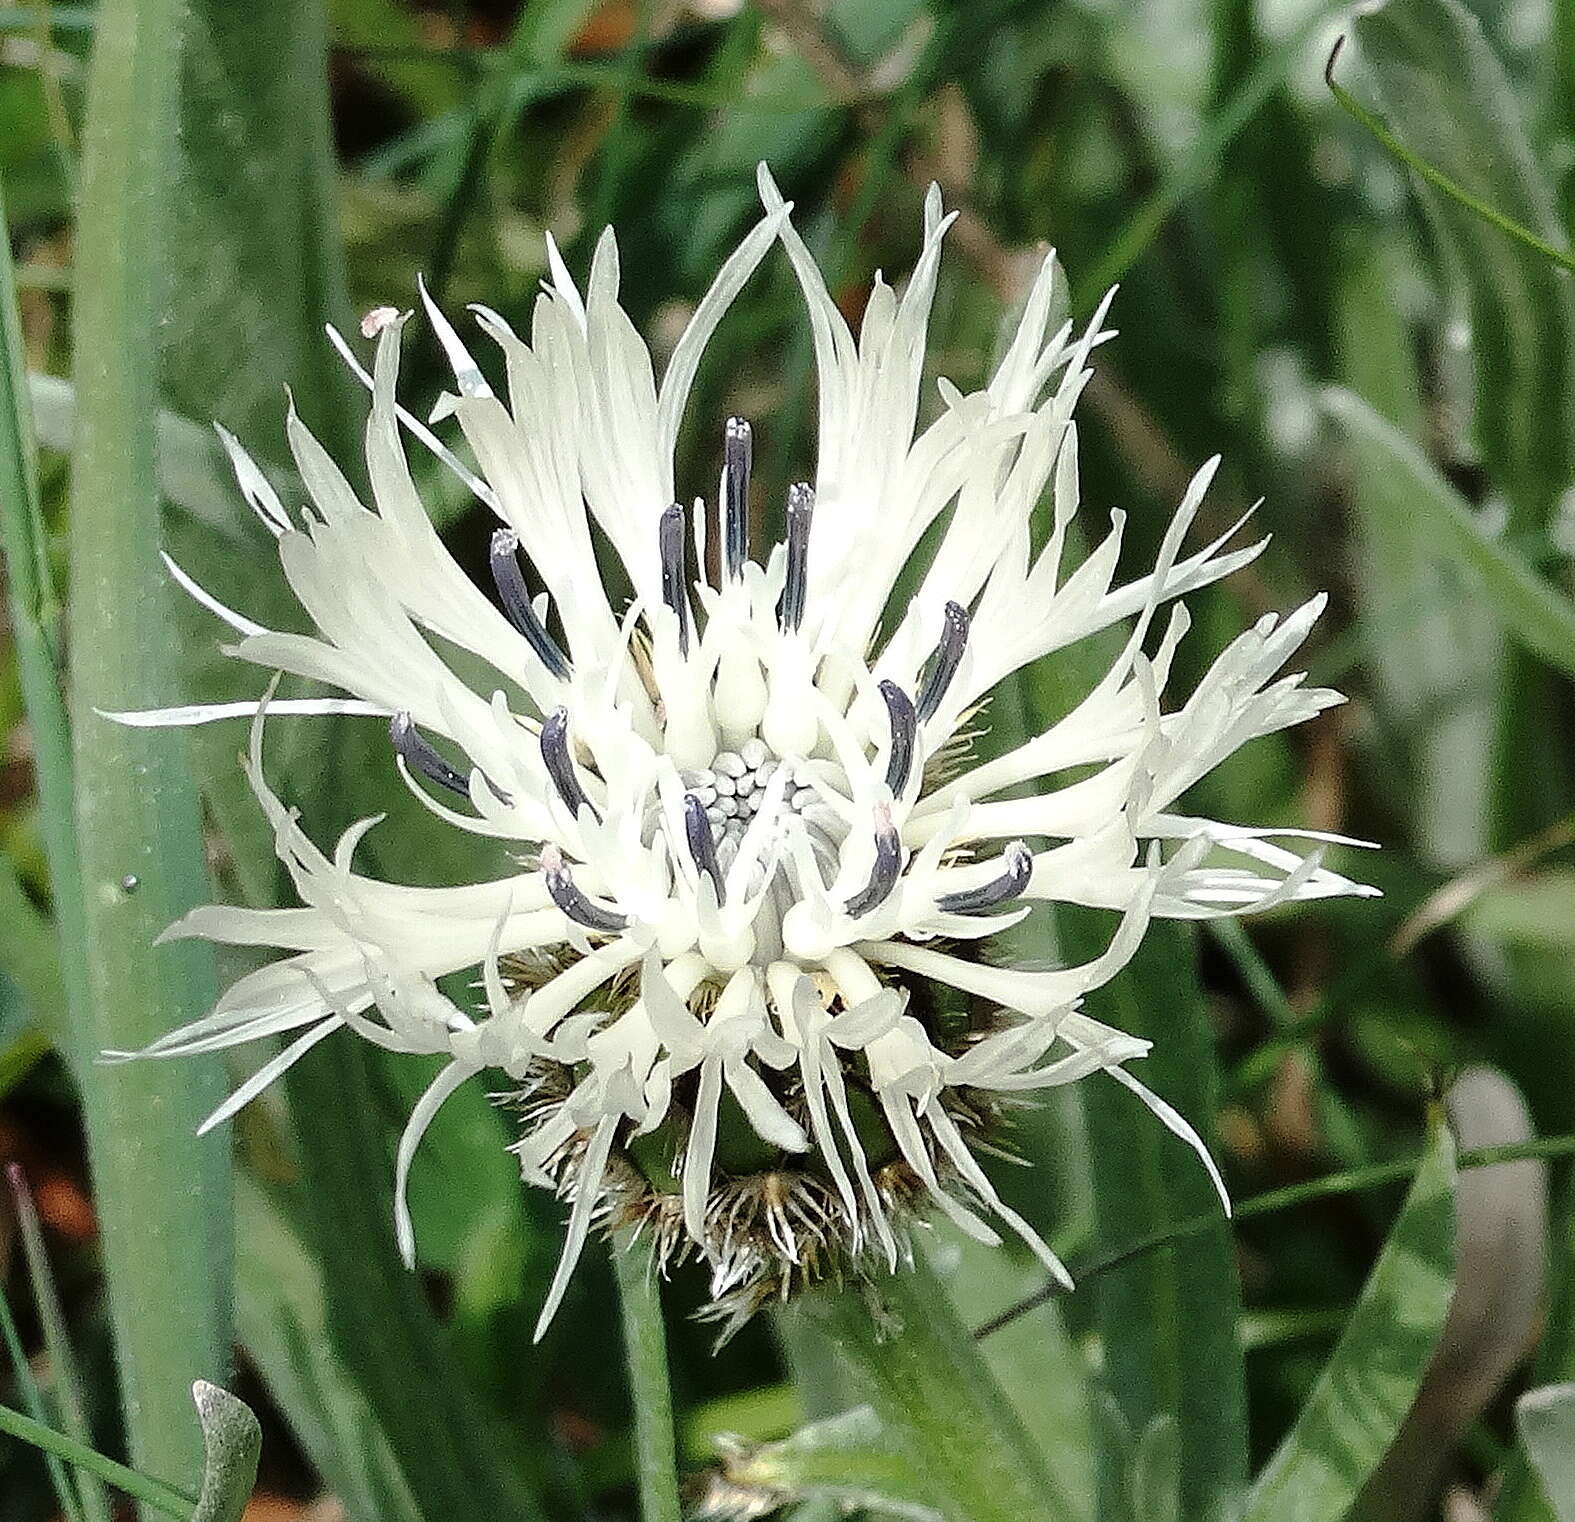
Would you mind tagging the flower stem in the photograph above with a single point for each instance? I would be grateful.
(645, 1343)
(913, 1360)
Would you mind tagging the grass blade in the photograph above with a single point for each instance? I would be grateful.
(1168, 1320)
(62, 1365)
(33, 1399)
(1535, 613)
(140, 1487)
(1444, 88)
(1366, 1388)
(163, 1197)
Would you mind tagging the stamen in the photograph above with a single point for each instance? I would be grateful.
(702, 844)
(737, 456)
(510, 582)
(417, 752)
(1019, 868)
(560, 764)
(904, 731)
(887, 869)
(800, 510)
(580, 909)
(670, 544)
(943, 661)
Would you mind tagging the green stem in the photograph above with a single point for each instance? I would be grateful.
(912, 1359)
(645, 1344)
(140, 1487)
(1349, 1181)
(163, 1197)
(1436, 177)
(33, 1399)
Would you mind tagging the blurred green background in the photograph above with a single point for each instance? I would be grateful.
(1392, 377)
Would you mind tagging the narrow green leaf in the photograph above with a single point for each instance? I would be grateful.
(33, 1399)
(232, 1444)
(139, 1487)
(850, 1460)
(1168, 1321)
(1448, 96)
(65, 1380)
(1366, 1388)
(645, 1346)
(162, 1196)
(1545, 1419)
(286, 1323)
(1534, 612)
(917, 1366)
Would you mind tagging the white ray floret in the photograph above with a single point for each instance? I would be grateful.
(726, 855)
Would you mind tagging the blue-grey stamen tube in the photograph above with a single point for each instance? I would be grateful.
(560, 764)
(670, 545)
(943, 662)
(737, 456)
(515, 595)
(417, 753)
(887, 869)
(1019, 864)
(580, 909)
(800, 510)
(904, 731)
(702, 844)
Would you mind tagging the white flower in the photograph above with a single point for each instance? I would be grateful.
(736, 856)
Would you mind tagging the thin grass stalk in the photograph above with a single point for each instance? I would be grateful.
(33, 1399)
(64, 1376)
(140, 1487)
(163, 1198)
(650, 1388)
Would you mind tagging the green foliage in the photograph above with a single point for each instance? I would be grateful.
(1368, 340)
(1364, 1391)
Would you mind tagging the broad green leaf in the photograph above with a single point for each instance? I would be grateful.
(259, 271)
(1038, 1367)
(232, 1444)
(850, 1460)
(1357, 1404)
(162, 1195)
(1449, 99)
(1545, 1419)
(1535, 613)
(946, 1418)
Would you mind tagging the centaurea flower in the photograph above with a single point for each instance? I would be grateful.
(745, 823)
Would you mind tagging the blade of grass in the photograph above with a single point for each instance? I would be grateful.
(1435, 176)
(57, 1340)
(1442, 86)
(140, 1487)
(1534, 612)
(1328, 1186)
(162, 1197)
(35, 623)
(33, 1399)
(645, 1343)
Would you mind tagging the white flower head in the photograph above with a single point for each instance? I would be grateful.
(754, 852)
